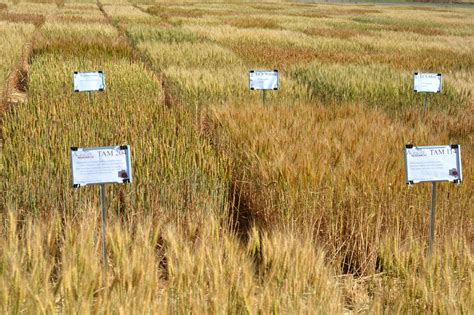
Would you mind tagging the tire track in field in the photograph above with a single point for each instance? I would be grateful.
(140, 57)
(241, 215)
(16, 86)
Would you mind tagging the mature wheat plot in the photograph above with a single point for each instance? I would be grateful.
(299, 206)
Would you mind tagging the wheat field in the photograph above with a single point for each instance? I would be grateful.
(295, 206)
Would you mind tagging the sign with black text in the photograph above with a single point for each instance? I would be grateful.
(101, 165)
(433, 163)
(263, 80)
(89, 81)
(427, 82)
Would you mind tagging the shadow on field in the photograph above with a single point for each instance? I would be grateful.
(241, 216)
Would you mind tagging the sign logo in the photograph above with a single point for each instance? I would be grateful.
(417, 153)
(453, 172)
(123, 174)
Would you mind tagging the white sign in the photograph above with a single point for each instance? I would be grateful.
(263, 80)
(101, 165)
(89, 81)
(427, 82)
(433, 163)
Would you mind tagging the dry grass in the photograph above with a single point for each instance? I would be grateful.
(361, 184)
(377, 86)
(253, 23)
(32, 18)
(168, 12)
(13, 44)
(38, 8)
(80, 13)
(299, 206)
(205, 271)
(189, 55)
(96, 39)
(274, 57)
(159, 34)
(338, 33)
(125, 11)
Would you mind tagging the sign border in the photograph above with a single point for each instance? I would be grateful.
(121, 147)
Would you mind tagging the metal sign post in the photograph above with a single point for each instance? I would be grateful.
(433, 164)
(432, 219)
(426, 102)
(103, 206)
(263, 97)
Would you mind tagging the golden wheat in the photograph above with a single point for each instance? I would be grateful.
(295, 206)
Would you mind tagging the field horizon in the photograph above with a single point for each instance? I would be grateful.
(295, 205)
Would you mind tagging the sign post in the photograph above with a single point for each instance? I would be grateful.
(433, 164)
(100, 166)
(432, 218)
(263, 80)
(89, 82)
(103, 215)
(427, 83)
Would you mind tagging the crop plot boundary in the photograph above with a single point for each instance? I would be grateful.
(142, 58)
(16, 85)
(241, 218)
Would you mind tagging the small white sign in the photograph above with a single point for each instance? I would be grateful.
(102, 165)
(433, 163)
(263, 80)
(89, 81)
(427, 82)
